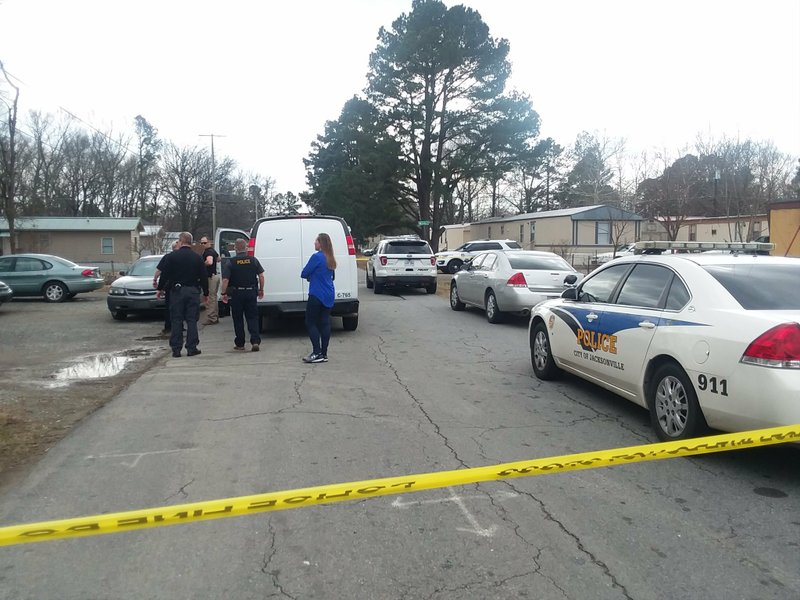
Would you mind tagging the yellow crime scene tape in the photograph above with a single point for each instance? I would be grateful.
(358, 490)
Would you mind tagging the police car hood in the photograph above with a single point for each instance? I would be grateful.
(134, 283)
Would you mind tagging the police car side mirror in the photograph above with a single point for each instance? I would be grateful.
(570, 293)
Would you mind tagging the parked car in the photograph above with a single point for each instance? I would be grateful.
(700, 340)
(283, 245)
(510, 282)
(5, 293)
(623, 250)
(133, 292)
(401, 261)
(450, 261)
(54, 278)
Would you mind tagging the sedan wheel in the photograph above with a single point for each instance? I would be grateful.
(674, 410)
(455, 303)
(544, 367)
(493, 313)
(54, 291)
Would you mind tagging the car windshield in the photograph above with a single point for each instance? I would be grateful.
(143, 268)
(760, 286)
(538, 263)
(408, 247)
(514, 245)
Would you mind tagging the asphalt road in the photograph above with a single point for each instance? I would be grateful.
(417, 388)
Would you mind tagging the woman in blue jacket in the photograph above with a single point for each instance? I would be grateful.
(319, 271)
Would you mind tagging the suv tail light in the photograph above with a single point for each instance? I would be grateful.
(351, 249)
(383, 260)
(251, 247)
(778, 348)
(433, 261)
(517, 280)
(87, 272)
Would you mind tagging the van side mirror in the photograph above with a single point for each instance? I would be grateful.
(570, 279)
(570, 294)
(368, 252)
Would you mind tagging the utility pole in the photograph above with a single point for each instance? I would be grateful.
(213, 184)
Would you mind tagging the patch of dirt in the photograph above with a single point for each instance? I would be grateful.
(33, 418)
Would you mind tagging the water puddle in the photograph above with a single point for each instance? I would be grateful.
(98, 366)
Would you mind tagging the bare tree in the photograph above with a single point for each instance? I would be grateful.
(8, 158)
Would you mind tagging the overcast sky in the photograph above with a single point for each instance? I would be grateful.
(267, 75)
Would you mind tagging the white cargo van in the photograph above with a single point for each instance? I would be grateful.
(283, 245)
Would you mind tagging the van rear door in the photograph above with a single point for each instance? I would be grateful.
(279, 249)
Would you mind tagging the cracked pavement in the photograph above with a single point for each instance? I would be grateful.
(417, 388)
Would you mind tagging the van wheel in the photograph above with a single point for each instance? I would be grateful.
(370, 284)
(378, 289)
(350, 323)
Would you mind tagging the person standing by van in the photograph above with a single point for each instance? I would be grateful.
(319, 271)
(243, 285)
(185, 273)
(211, 258)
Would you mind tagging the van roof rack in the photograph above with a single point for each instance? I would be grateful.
(655, 247)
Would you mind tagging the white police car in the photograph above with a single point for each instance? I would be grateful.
(698, 339)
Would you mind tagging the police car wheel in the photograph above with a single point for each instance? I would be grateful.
(378, 289)
(454, 266)
(674, 411)
(544, 367)
(118, 315)
(370, 283)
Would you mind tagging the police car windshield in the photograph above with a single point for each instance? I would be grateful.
(760, 286)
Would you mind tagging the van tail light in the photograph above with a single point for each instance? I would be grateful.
(88, 272)
(433, 261)
(351, 248)
(383, 260)
(778, 348)
(517, 280)
(251, 247)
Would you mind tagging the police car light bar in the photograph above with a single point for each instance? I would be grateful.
(700, 246)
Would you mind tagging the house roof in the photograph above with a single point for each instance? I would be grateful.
(597, 212)
(74, 224)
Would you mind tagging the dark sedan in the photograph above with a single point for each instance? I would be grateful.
(5, 293)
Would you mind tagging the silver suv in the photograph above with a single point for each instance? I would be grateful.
(401, 261)
(451, 260)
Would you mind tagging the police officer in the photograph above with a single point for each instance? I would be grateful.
(242, 286)
(185, 272)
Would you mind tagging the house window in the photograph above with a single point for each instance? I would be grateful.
(713, 231)
(533, 231)
(502, 229)
(602, 232)
(522, 233)
(489, 232)
(756, 228)
(107, 245)
(692, 233)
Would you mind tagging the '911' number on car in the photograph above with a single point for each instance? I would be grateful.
(713, 385)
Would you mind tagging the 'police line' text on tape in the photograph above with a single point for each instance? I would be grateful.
(358, 490)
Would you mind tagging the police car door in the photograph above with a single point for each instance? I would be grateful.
(578, 333)
(632, 319)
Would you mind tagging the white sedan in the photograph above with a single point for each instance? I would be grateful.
(698, 339)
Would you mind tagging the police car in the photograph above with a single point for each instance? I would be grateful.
(699, 339)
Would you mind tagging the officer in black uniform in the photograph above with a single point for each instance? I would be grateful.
(242, 286)
(185, 272)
